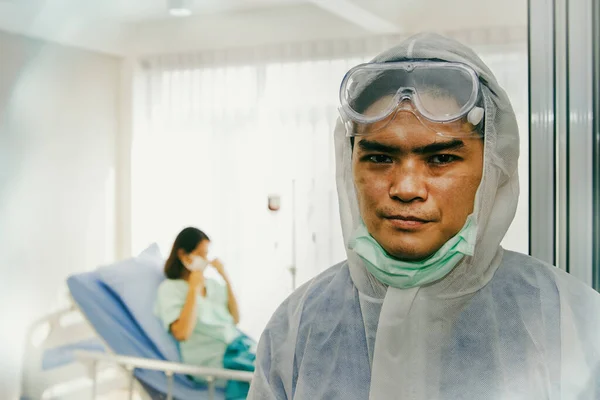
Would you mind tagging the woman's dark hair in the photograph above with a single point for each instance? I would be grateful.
(187, 240)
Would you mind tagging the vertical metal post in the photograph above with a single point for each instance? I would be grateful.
(169, 375)
(294, 268)
(130, 371)
(94, 369)
(596, 143)
(211, 388)
(580, 81)
(562, 129)
(542, 130)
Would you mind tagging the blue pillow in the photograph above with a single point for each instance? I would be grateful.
(135, 281)
(152, 254)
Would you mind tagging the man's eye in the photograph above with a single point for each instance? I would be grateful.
(441, 159)
(379, 159)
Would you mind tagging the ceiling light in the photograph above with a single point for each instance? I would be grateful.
(180, 8)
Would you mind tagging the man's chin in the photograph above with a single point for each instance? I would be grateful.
(411, 256)
(410, 248)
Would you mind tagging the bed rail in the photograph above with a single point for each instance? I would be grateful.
(169, 368)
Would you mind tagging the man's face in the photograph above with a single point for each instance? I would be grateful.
(415, 188)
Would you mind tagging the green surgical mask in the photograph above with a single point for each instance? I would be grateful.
(406, 274)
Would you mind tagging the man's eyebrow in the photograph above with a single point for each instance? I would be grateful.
(371, 145)
(454, 144)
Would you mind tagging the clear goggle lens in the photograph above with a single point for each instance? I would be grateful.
(442, 95)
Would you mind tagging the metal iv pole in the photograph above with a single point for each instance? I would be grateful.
(293, 268)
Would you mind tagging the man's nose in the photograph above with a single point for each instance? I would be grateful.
(409, 182)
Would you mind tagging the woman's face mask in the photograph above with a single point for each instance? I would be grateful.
(197, 263)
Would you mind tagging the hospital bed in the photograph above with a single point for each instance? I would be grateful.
(117, 302)
(51, 369)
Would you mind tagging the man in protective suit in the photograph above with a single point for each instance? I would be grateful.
(428, 305)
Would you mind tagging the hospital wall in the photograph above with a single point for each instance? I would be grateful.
(59, 118)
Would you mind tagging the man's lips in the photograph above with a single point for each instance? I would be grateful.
(406, 218)
(406, 222)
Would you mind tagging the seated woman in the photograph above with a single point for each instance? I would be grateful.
(202, 313)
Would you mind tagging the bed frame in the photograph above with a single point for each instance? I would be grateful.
(85, 374)
(69, 379)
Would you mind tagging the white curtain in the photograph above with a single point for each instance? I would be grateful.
(220, 131)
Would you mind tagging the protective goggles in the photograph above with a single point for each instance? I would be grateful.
(442, 95)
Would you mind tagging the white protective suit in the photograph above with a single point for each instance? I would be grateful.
(500, 325)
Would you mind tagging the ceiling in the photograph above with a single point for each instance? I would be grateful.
(129, 27)
(132, 10)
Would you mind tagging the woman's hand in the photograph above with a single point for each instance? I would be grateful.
(196, 279)
(218, 266)
(231, 300)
